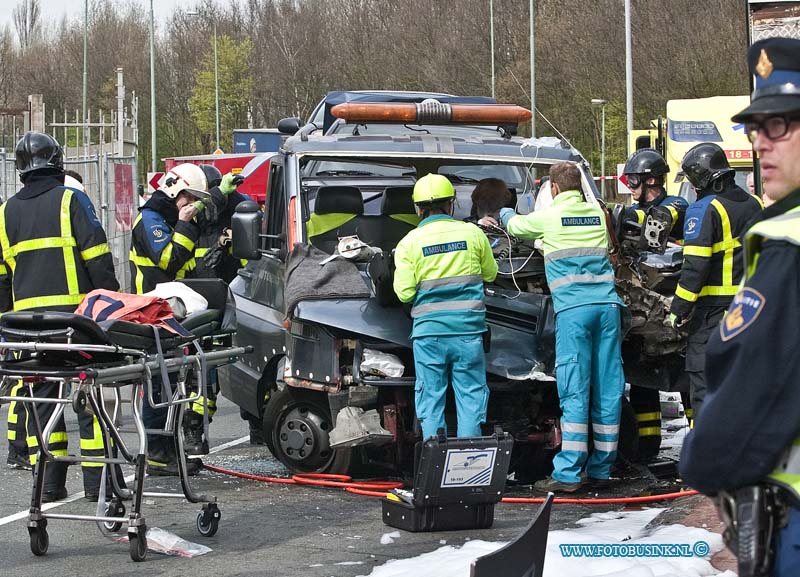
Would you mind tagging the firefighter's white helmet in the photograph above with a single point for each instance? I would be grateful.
(188, 178)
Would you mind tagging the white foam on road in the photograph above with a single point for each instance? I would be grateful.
(629, 527)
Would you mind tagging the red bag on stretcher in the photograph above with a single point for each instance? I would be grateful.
(103, 305)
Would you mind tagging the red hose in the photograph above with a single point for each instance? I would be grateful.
(379, 488)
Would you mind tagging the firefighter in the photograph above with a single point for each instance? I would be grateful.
(162, 247)
(66, 240)
(213, 259)
(712, 264)
(588, 327)
(17, 437)
(645, 171)
(747, 437)
(441, 267)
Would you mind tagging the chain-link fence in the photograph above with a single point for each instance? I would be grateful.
(111, 183)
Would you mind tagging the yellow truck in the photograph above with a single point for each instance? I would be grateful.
(689, 122)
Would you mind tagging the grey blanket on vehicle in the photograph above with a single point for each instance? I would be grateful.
(306, 279)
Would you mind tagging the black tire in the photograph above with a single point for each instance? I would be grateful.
(297, 423)
(79, 402)
(114, 508)
(208, 522)
(40, 541)
(138, 544)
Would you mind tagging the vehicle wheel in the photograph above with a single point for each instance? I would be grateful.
(298, 423)
(208, 521)
(114, 508)
(138, 544)
(40, 540)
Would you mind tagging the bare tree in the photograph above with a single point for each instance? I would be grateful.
(26, 21)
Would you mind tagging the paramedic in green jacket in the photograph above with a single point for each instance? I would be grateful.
(588, 327)
(440, 268)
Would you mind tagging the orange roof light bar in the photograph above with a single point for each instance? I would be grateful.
(431, 112)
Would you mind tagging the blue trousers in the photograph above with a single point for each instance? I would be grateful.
(590, 388)
(787, 548)
(456, 359)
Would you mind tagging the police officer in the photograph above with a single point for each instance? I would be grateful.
(441, 267)
(213, 259)
(712, 265)
(588, 327)
(65, 241)
(748, 432)
(162, 248)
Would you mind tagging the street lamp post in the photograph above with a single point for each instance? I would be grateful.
(216, 75)
(602, 104)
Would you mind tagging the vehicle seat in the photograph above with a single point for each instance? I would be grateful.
(335, 212)
(398, 217)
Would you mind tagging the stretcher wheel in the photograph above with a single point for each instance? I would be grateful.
(208, 520)
(40, 540)
(114, 508)
(138, 544)
(79, 402)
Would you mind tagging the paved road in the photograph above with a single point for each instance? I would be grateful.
(266, 529)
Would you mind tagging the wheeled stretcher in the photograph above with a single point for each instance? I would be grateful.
(92, 363)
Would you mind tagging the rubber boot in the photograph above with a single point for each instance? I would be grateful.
(55, 481)
(162, 462)
(193, 442)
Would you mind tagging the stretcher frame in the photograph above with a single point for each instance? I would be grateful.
(87, 386)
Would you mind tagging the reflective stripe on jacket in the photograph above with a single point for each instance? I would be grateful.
(712, 265)
(575, 241)
(53, 248)
(159, 252)
(441, 267)
(786, 228)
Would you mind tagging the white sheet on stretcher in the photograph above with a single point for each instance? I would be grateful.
(179, 295)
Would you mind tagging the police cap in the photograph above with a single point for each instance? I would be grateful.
(775, 63)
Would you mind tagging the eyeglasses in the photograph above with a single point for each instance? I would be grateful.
(773, 127)
(635, 180)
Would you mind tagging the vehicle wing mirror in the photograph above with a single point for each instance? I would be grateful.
(289, 125)
(246, 231)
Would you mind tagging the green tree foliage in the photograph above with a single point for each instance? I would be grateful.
(235, 88)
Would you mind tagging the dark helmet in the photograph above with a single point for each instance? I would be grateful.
(213, 175)
(646, 161)
(704, 164)
(36, 150)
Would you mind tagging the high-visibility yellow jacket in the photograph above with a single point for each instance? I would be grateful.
(712, 263)
(53, 247)
(441, 266)
(575, 241)
(160, 246)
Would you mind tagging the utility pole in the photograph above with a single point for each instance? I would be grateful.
(491, 38)
(153, 163)
(85, 55)
(216, 82)
(533, 77)
(628, 68)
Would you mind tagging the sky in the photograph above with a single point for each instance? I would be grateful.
(53, 10)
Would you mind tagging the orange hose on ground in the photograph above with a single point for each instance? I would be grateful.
(368, 488)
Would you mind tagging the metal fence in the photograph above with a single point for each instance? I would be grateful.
(111, 183)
